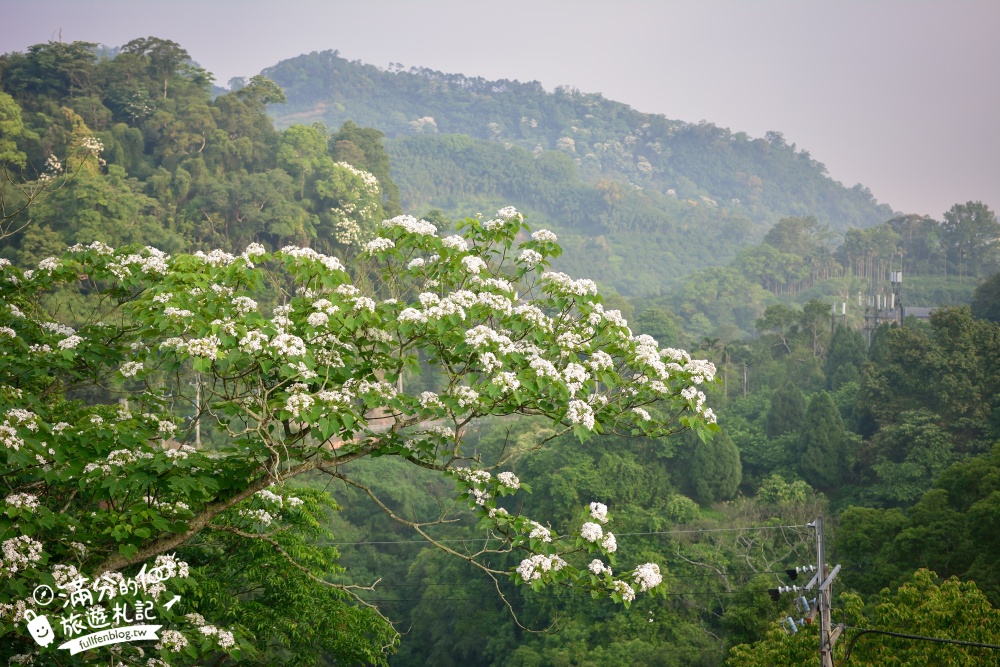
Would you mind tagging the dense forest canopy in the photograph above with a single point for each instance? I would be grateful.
(738, 248)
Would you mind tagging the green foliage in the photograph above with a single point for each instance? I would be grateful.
(787, 411)
(986, 300)
(844, 358)
(951, 528)
(713, 469)
(921, 606)
(823, 444)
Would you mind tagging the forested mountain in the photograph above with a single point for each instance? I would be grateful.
(701, 164)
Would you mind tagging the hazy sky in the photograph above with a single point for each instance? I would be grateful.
(899, 96)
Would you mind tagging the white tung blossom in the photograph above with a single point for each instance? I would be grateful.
(647, 576)
(530, 257)
(455, 242)
(379, 245)
(412, 225)
(540, 532)
(509, 480)
(543, 235)
(626, 591)
(533, 568)
(598, 567)
(130, 368)
(599, 512)
(581, 413)
(592, 532)
(473, 264)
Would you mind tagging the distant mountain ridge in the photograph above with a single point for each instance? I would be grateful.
(762, 179)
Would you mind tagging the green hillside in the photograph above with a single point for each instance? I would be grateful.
(762, 179)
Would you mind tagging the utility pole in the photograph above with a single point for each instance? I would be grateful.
(827, 634)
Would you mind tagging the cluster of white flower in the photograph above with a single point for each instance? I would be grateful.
(252, 252)
(253, 341)
(172, 640)
(599, 512)
(319, 319)
(540, 532)
(445, 432)
(223, 638)
(642, 414)
(692, 394)
(507, 382)
(154, 261)
(49, 264)
(481, 497)
(380, 388)
(119, 458)
(465, 396)
(170, 567)
(207, 347)
(364, 303)
(130, 368)
(69, 343)
(600, 360)
(530, 257)
(288, 345)
(429, 400)
(216, 257)
(473, 476)
(258, 516)
(415, 263)
(609, 543)
(96, 246)
(509, 480)
(244, 305)
(271, 497)
(575, 375)
(15, 612)
(474, 264)
(412, 225)
(20, 552)
(299, 404)
(178, 313)
(533, 568)
(700, 370)
(22, 501)
(625, 591)
(9, 333)
(67, 576)
(592, 532)
(581, 413)
(379, 244)
(343, 397)
(647, 576)
(9, 437)
(563, 283)
(331, 263)
(544, 235)
(181, 452)
(168, 508)
(544, 368)
(598, 567)
(455, 242)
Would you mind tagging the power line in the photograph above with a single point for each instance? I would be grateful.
(936, 640)
(491, 539)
